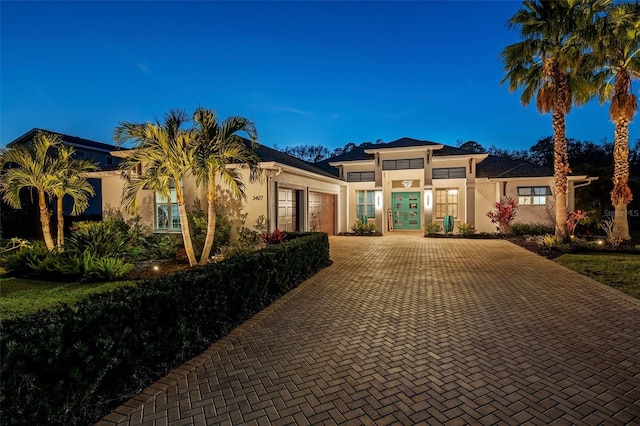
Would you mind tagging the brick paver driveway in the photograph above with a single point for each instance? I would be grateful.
(408, 330)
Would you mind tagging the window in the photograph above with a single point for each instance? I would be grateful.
(533, 195)
(361, 176)
(449, 173)
(365, 203)
(411, 163)
(167, 213)
(446, 203)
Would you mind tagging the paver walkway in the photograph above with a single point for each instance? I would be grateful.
(409, 330)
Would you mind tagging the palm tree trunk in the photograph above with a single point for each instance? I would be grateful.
(44, 221)
(560, 153)
(184, 226)
(60, 218)
(211, 219)
(561, 170)
(621, 193)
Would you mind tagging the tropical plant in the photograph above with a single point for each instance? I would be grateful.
(548, 64)
(615, 48)
(32, 167)
(432, 229)
(72, 175)
(466, 229)
(221, 152)
(575, 217)
(162, 155)
(362, 228)
(607, 227)
(503, 214)
(275, 237)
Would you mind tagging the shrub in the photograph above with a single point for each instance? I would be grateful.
(520, 228)
(574, 218)
(275, 237)
(110, 237)
(503, 214)
(18, 262)
(71, 365)
(432, 229)
(362, 228)
(466, 229)
(607, 227)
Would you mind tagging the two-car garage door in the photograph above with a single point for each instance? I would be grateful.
(321, 211)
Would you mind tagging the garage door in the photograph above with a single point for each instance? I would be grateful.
(287, 210)
(322, 212)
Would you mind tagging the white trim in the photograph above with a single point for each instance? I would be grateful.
(418, 148)
(352, 163)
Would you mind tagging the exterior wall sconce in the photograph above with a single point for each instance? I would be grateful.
(428, 201)
(378, 200)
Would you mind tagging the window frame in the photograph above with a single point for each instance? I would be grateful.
(457, 172)
(370, 176)
(367, 205)
(447, 202)
(171, 210)
(411, 164)
(534, 195)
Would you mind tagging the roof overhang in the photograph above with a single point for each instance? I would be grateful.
(434, 147)
(479, 157)
(352, 162)
(274, 165)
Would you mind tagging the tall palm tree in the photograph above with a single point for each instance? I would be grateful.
(72, 175)
(31, 167)
(548, 64)
(219, 147)
(162, 156)
(615, 46)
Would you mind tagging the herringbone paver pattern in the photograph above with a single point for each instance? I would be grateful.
(408, 330)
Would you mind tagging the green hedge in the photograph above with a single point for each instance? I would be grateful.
(72, 365)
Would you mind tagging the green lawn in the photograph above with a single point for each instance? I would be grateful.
(620, 271)
(22, 296)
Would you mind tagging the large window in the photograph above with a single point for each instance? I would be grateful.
(167, 213)
(446, 203)
(365, 203)
(533, 195)
(410, 163)
(361, 176)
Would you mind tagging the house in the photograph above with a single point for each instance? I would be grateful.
(400, 186)
(98, 152)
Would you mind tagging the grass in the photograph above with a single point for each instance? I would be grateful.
(620, 271)
(20, 297)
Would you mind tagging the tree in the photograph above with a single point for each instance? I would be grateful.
(310, 153)
(219, 147)
(615, 48)
(72, 175)
(49, 167)
(547, 64)
(162, 155)
(472, 146)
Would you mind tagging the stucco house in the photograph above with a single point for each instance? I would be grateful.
(400, 186)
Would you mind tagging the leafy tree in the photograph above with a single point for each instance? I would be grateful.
(45, 166)
(218, 147)
(547, 64)
(615, 48)
(310, 153)
(162, 155)
(472, 146)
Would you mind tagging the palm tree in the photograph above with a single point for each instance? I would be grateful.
(72, 175)
(548, 64)
(219, 147)
(162, 156)
(615, 47)
(31, 167)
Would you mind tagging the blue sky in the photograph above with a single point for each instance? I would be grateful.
(305, 72)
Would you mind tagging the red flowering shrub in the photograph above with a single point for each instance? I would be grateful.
(275, 237)
(503, 214)
(574, 218)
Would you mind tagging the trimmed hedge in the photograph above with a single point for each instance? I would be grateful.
(72, 365)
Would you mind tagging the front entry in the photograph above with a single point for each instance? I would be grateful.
(406, 210)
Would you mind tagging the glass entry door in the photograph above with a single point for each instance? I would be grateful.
(406, 210)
